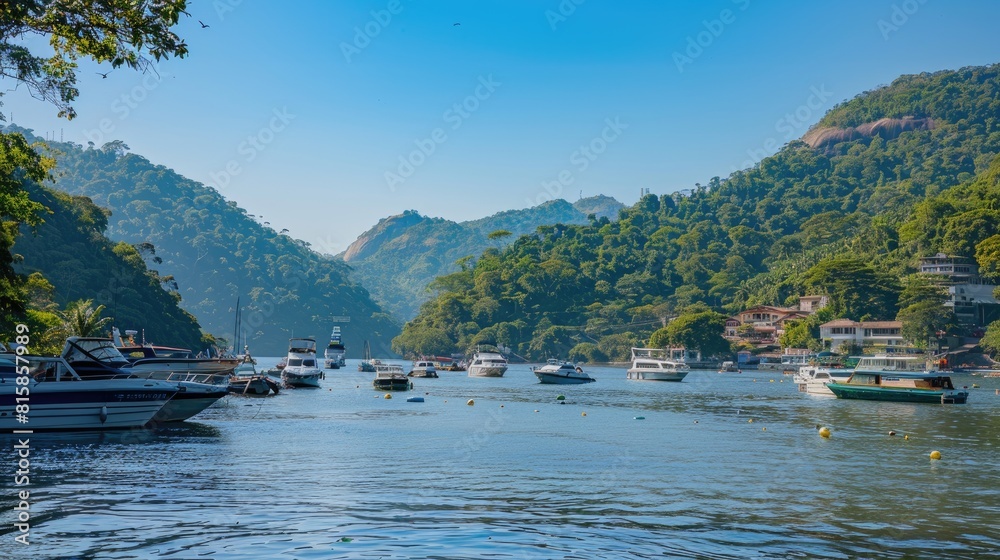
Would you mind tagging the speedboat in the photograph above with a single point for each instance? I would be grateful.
(246, 381)
(149, 357)
(334, 353)
(300, 366)
(561, 373)
(60, 399)
(651, 364)
(813, 379)
(487, 364)
(898, 379)
(423, 368)
(390, 377)
(99, 358)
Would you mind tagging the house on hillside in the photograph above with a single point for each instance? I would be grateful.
(883, 336)
(762, 324)
(812, 304)
(969, 295)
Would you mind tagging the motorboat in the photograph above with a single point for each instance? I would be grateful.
(149, 357)
(651, 364)
(99, 358)
(423, 368)
(561, 373)
(334, 353)
(728, 367)
(390, 377)
(300, 365)
(58, 398)
(487, 364)
(813, 379)
(928, 387)
(246, 381)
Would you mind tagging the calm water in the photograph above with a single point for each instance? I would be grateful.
(340, 472)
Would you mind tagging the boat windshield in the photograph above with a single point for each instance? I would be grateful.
(294, 362)
(101, 349)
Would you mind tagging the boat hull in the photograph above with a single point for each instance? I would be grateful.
(256, 386)
(189, 401)
(294, 379)
(562, 379)
(86, 405)
(487, 371)
(392, 384)
(423, 373)
(896, 394)
(656, 375)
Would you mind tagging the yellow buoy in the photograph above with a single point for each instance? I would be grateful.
(388, 395)
(470, 402)
(763, 429)
(583, 414)
(750, 421)
(975, 386)
(772, 381)
(824, 432)
(935, 455)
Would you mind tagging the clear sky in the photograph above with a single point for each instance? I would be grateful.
(325, 116)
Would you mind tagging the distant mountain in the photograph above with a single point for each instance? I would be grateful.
(217, 253)
(402, 254)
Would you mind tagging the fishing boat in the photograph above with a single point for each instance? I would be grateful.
(300, 365)
(334, 353)
(390, 377)
(367, 364)
(60, 399)
(651, 364)
(99, 358)
(561, 373)
(813, 379)
(246, 381)
(487, 364)
(423, 368)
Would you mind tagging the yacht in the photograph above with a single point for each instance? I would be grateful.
(100, 358)
(390, 377)
(487, 364)
(423, 368)
(334, 353)
(149, 357)
(300, 365)
(813, 379)
(62, 400)
(651, 364)
(561, 373)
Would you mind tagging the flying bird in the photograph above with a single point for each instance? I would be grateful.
(203, 25)
(103, 74)
(455, 24)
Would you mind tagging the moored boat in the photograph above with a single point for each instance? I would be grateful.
(487, 364)
(333, 356)
(246, 381)
(300, 365)
(367, 364)
(423, 368)
(927, 387)
(813, 379)
(651, 364)
(390, 377)
(561, 373)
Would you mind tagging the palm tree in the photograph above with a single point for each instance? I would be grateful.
(81, 319)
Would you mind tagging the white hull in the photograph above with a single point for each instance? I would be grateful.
(192, 399)
(487, 371)
(80, 405)
(296, 379)
(649, 375)
(813, 380)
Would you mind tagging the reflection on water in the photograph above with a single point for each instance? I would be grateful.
(721, 466)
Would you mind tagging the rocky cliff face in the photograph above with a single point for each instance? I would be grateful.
(384, 231)
(885, 128)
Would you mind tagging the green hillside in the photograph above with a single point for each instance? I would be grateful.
(826, 214)
(401, 255)
(217, 253)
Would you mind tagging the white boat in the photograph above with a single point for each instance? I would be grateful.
(813, 379)
(100, 358)
(149, 357)
(390, 377)
(246, 381)
(333, 356)
(59, 399)
(300, 365)
(651, 364)
(728, 367)
(423, 368)
(561, 373)
(487, 364)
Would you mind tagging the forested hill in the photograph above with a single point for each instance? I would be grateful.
(217, 253)
(834, 216)
(398, 257)
(77, 262)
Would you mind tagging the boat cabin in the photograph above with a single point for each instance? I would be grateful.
(902, 381)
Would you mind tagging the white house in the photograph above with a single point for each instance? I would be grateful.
(883, 335)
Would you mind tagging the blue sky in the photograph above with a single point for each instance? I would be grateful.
(326, 116)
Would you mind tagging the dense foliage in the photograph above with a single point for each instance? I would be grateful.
(849, 220)
(402, 254)
(216, 253)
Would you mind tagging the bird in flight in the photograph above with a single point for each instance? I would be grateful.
(455, 24)
(203, 25)
(103, 74)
